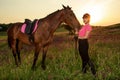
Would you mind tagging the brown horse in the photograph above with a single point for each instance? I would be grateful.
(42, 36)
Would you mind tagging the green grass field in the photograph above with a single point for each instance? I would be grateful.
(61, 62)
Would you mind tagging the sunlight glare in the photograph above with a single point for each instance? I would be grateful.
(96, 12)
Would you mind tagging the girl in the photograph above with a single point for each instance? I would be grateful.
(83, 47)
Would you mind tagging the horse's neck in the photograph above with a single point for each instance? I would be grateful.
(55, 22)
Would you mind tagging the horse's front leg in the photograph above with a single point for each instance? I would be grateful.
(76, 46)
(37, 50)
(45, 49)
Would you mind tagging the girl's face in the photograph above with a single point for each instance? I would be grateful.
(86, 20)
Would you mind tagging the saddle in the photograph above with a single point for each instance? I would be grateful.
(30, 26)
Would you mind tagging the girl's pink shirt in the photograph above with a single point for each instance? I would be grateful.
(84, 29)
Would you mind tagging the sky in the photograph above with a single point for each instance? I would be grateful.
(103, 12)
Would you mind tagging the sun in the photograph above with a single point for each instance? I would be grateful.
(96, 14)
(95, 11)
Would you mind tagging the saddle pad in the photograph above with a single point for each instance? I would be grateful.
(24, 27)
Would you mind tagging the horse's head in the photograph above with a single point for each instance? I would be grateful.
(70, 18)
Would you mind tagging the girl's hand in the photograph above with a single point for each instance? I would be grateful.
(76, 33)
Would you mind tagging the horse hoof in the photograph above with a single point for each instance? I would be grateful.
(33, 68)
(43, 67)
(93, 72)
(17, 65)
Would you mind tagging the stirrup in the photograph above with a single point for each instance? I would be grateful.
(31, 39)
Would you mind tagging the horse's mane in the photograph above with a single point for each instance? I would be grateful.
(52, 14)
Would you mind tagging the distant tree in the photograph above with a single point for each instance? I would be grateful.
(3, 27)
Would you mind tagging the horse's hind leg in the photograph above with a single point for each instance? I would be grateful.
(45, 49)
(13, 46)
(18, 48)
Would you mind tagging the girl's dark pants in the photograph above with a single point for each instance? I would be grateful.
(83, 51)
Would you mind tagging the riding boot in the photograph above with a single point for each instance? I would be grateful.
(90, 63)
(84, 66)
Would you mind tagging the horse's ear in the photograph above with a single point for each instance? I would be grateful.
(69, 7)
(63, 6)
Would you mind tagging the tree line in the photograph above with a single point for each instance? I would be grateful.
(4, 27)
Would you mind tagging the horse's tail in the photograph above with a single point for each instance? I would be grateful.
(9, 42)
(10, 35)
